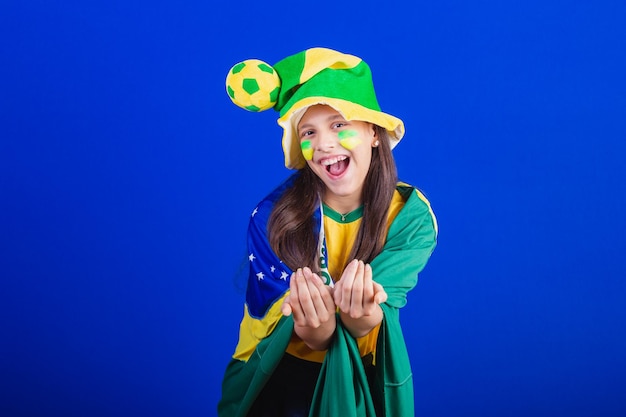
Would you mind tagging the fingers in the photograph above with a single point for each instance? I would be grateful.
(316, 308)
(286, 307)
(337, 292)
(317, 286)
(358, 303)
(368, 303)
(375, 290)
(294, 297)
(343, 294)
(356, 293)
(310, 301)
(380, 295)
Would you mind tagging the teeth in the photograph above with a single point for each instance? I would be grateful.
(330, 161)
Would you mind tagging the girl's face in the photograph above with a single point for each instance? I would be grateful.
(339, 152)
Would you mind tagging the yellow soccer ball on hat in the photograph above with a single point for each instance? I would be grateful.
(253, 85)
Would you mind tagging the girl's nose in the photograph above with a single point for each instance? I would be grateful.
(326, 141)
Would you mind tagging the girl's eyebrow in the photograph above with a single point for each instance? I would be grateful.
(328, 120)
(305, 126)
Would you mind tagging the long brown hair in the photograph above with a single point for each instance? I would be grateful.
(291, 226)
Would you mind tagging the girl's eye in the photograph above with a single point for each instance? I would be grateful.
(339, 124)
(305, 133)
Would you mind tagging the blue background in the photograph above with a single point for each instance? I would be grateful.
(127, 178)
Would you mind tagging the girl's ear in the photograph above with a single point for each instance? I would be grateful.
(374, 135)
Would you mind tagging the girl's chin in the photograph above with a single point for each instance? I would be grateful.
(342, 192)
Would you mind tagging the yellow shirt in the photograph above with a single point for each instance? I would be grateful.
(341, 231)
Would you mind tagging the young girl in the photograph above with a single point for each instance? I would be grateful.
(333, 252)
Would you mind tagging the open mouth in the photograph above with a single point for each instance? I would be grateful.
(337, 165)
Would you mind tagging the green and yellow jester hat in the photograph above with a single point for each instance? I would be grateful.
(314, 76)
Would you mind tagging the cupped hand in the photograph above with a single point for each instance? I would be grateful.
(357, 294)
(310, 301)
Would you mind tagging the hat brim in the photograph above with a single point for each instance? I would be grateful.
(349, 110)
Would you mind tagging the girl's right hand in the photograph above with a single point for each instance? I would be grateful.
(310, 300)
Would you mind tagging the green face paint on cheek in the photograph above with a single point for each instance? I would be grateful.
(349, 139)
(307, 150)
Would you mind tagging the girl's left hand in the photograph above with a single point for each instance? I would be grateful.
(356, 293)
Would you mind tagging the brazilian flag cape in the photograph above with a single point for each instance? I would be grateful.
(342, 387)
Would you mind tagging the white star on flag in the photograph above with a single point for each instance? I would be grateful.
(272, 268)
(284, 276)
(251, 257)
(260, 276)
(255, 211)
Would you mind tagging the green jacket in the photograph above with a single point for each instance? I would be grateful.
(342, 388)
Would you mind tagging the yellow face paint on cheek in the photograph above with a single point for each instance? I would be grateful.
(349, 139)
(307, 149)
